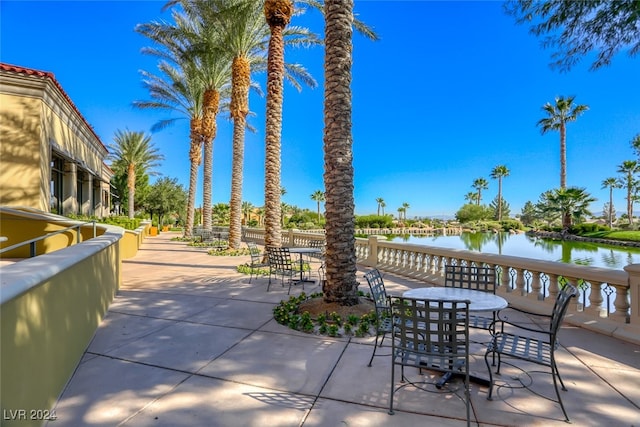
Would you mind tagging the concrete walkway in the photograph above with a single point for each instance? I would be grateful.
(189, 342)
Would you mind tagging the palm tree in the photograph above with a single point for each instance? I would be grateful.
(572, 203)
(559, 115)
(318, 196)
(610, 183)
(498, 173)
(400, 213)
(405, 207)
(383, 205)
(340, 258)
(635, 144)
(379, 201)
(471, 197)
(181, 93)
(277, 14)
(247, 208)
(629, 169)
(134, 153)
(480, 184)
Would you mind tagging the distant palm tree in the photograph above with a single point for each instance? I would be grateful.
(405, 207)
(471, 197)
(383, 205)
(559, 115)
(629, 169)
(400, 213)
(498, 173)
(133, 152)
(247, 208)
(480, 184)
(379, 201)
(572, 203)
(610, 183)
(318, 196)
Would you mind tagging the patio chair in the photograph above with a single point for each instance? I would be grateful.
(256, 259)
(429, 334)
(534, 345)
(475, 278)
(383, 314)
(280, 264)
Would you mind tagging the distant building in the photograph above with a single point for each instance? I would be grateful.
(50, 157)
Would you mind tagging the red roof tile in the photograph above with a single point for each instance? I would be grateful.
(49, 75)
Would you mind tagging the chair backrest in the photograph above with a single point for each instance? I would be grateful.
(378, 291)
(560, 308)
(437, 330)
(254, 252)
(279, 258)
(470, 277)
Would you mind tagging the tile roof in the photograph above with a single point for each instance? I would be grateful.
(49, 75)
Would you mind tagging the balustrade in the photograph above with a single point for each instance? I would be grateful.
(608, 301)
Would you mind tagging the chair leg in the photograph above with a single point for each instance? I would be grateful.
(554, 374)
(375, 346)
(393, 385)
(486, 361)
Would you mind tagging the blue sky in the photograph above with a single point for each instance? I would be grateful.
(450, 91)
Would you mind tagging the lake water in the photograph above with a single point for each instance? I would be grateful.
(525, 246)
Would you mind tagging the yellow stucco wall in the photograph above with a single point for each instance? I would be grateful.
(20, 152)
(17, 228)
(45, 331)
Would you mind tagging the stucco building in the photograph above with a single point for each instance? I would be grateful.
(50, 157)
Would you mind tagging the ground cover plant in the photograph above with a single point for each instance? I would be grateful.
(309, 313)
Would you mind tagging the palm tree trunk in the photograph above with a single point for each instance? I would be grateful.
(240, 84)
(610, 207)
(499, 199)
(341, 285)
(277, 14)
(210, 103)
(131, 185)
(195, 157)
(563, 156)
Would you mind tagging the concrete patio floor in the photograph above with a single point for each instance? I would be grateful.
(188, 341)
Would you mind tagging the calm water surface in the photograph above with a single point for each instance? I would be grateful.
(525, 246)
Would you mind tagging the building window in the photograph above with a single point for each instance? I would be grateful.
(57, 172)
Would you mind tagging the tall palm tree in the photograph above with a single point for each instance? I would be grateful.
(379, 201)
(610, 183)
(340, 259)
(498, 173)
(204, 48)
(383, 205)
(629, 169)
(318, 196)
(558, 116)
(134, 153)
(480, 184)
(180, 91)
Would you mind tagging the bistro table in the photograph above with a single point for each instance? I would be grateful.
(478, 301)
(304, 251)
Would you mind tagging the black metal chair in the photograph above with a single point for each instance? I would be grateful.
(383, 314)
(475, 278)
(429, 334)
(256, 260)
(280, 264)
(533, 345)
